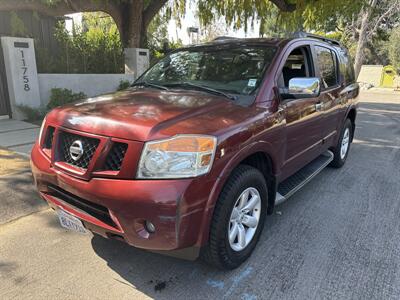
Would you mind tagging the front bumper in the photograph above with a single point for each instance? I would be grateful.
(176, 207)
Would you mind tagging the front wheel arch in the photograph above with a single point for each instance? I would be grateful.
(217, 251)
(234, 162)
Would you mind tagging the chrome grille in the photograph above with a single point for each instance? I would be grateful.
(89, 148)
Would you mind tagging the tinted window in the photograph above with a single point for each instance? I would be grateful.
(326, 60)
(297, 65)
(349, 71)
(238, 70)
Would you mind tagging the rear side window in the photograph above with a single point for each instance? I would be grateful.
(326, 60)
(346, 67)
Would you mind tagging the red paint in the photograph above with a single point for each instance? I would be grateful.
(182, 209)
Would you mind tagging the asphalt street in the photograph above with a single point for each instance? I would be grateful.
(337, 238)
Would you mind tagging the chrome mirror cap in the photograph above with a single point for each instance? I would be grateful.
(308, 87)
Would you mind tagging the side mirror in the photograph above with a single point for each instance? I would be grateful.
(304, 87)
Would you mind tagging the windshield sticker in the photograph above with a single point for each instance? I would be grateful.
(252, 83)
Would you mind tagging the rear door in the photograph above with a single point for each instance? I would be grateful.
(327, 69)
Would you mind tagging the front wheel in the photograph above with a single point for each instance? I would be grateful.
(238, 219)
(342, 149)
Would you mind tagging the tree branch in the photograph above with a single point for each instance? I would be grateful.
(151, 10)
(55, 10)
(284, 5)
(61, 8)
(390, 11)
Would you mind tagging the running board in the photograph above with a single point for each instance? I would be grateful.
(295, 182)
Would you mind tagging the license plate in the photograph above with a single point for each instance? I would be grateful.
(70, 222)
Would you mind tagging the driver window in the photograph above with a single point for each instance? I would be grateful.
(298, 64)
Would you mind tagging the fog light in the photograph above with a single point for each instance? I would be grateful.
(150, 227)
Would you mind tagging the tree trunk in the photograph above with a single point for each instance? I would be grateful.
(130, 24)
(362, 41)
(362, 38)
(134, 20)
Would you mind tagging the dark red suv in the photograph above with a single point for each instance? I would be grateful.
(191, 159)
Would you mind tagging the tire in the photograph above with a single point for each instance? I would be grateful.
(340, 155)
(220, 252)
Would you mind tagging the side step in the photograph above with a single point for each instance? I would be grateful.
(295, 182)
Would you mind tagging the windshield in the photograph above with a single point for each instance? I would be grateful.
(237, 70)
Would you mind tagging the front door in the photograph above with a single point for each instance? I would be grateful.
(303, 132)
(303, 116)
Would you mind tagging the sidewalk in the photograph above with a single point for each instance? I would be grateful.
(18, 136)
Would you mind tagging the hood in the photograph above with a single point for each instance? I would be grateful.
(142, 115)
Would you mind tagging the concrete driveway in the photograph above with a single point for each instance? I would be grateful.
(338, 238)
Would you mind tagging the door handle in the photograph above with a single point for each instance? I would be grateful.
(280, 114)
(319, 106)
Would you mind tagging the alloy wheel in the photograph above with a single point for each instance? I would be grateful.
(345, 143)
(244, 219)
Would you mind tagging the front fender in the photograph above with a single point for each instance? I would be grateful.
(233, 162)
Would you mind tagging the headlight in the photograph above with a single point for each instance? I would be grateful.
(41, 130)
(182, 156)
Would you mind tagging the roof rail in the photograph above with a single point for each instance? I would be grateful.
(302, 34)
(221, 38)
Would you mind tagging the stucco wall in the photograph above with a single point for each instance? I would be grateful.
(371, 74)
(90, 84)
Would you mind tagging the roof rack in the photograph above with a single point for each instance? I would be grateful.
(302, 34)
(221, 38)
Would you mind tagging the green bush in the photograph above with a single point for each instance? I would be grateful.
(61, 97)
(32, 114)
(123, 85)
(93, 48)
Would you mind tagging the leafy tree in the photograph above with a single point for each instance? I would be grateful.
(373, 16)
(361, 19)
(18, 27)
(363, 26)
(93, 48)
(213, 30)
(133, 17)
(157, 37)
(394, 48)
(365, 29)
(289, 15)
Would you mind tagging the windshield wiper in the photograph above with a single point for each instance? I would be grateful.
(203, 88)
(149, 84)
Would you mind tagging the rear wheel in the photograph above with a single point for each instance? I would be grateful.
(342, 149)
(238, 219)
